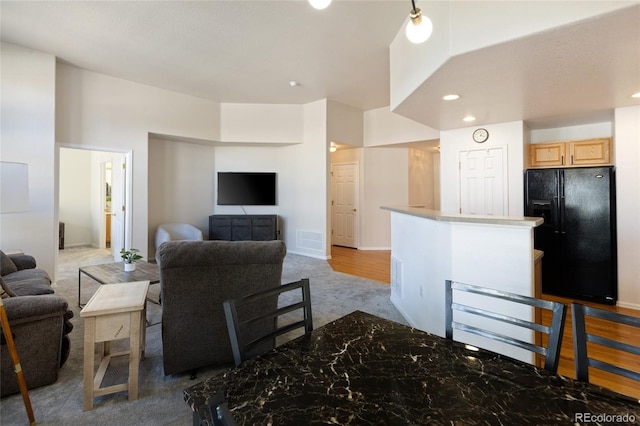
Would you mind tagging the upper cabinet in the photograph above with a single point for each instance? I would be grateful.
(547, 154)
(588, 152)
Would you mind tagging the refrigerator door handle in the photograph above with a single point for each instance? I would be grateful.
(561, 205)
(562, 227)
(554, 215)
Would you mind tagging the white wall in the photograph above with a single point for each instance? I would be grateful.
(344, 124)
(302, 179)
(181, 185)
(508, 135)
(81, 192)
(383, 127)
(421, 178)
(96, 111)
(306, 178)
(261, 123)
(28, 123)
(384, 171)
(75, 196)
(627, 156)
(100, 111)
(587, 131)
(386, 183)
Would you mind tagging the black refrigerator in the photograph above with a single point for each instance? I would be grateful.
(578, 236)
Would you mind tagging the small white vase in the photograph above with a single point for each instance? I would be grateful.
(128, 267)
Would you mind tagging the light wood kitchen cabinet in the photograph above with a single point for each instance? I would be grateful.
(588, 152)
(547, 154)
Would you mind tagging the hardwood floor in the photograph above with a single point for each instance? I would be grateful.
(606, 329)
(371, 264)
(375, 265)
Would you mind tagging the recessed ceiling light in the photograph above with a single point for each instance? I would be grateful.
(636, 95)
(469, 118)
(294, 83)
(451, 97)
(320, 4)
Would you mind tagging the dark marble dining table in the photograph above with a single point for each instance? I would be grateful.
(366, 370)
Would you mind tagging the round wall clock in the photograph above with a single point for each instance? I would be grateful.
(480, 135)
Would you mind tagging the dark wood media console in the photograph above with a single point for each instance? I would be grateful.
(246, 227)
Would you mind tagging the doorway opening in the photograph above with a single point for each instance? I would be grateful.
(94, 193)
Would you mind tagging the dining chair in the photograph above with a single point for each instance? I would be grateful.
(242, 322)
(580, 338)
(551, 352)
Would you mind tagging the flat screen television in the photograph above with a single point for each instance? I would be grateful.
(246, 189)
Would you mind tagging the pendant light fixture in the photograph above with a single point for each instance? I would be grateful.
(320, 4)
(419, 27)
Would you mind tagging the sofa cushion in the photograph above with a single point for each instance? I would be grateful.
(23, 261)
(6, 264)
(5, 290)
(29, 282)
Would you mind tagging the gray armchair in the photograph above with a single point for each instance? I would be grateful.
(196, 277)
(177, 232)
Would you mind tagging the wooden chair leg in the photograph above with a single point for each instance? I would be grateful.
(16, 363)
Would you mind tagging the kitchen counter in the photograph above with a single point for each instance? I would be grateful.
(466, 218)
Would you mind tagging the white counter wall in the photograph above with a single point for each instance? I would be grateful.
(428, 247)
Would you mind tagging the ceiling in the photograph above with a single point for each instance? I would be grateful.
(249, 51)
(570, 75)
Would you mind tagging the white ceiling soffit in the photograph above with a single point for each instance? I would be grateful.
(570, 75)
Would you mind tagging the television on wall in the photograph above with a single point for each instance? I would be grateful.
(246, 189)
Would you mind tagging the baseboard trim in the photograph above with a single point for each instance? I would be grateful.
(375, 248)
(309, 255)
(629, 305)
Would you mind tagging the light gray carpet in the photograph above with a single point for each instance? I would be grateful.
(160, 401)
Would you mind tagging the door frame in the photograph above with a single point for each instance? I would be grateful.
(128, 188)
(356, 192)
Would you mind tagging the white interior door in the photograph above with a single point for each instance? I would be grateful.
(483, 181)
(118, 205)
(345, 184)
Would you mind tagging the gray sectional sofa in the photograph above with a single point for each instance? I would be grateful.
(39, 321)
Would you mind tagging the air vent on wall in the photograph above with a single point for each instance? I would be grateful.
(396, 277)
(310, 240)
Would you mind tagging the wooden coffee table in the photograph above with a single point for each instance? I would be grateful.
(111, 273)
